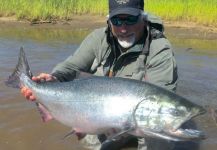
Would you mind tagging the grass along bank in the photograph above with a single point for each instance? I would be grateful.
(197, 11)
(51, 9)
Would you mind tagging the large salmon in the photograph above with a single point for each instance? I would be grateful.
(94, 105)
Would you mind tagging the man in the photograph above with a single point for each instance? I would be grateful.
(131, 46)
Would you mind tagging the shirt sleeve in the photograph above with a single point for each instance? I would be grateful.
(81, 60)
(161, 67)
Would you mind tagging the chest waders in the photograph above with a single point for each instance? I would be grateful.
(141, 56)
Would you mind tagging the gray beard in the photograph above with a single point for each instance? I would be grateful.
(127, 43)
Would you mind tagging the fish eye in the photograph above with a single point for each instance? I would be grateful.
(175, 112)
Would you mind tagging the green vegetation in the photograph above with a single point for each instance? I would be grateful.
(51, 9)
(199, 11)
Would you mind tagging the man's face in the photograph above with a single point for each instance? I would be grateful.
(127, 29)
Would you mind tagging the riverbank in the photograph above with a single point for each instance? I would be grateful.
(179, 29)
(201, 12)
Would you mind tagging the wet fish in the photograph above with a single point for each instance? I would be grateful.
(95, 105)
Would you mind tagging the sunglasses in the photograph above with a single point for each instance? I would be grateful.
(129, 20)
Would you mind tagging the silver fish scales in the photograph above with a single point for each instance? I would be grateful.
(95, 105)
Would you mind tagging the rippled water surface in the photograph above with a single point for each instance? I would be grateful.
(20, 124)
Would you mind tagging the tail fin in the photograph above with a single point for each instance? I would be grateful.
(22, 67)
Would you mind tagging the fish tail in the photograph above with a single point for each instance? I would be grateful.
(22, 67)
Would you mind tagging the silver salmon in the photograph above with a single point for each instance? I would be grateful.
(95, 105)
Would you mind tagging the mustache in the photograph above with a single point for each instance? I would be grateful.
(123, 35)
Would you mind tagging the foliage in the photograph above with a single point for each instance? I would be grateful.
(199, 11)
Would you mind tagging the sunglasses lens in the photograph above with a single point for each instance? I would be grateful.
(116, 21)
(129, 20)
(132, 20)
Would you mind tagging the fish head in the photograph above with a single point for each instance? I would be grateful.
(173, 115)
(182, 114)
(164, 119)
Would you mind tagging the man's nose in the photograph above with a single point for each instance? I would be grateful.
(123, 28)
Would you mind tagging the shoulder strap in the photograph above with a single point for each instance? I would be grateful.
(147, 41)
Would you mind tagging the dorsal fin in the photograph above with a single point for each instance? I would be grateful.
(21, 67)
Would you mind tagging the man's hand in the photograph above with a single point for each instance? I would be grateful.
(43, 77)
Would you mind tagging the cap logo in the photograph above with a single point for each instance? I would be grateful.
(122, 1)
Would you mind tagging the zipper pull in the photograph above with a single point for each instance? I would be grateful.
(111, 73)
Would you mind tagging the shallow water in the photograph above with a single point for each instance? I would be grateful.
(20, 124)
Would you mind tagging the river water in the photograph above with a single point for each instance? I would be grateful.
(20, 125)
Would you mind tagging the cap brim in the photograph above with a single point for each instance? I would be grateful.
(128, 11)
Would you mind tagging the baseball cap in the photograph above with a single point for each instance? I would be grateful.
(130, 7)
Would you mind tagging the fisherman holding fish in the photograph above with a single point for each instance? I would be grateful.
(131, 46)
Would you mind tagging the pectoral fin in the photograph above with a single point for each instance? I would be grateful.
(117, 136)
(69, 134)
(78, 134)
(45, 114)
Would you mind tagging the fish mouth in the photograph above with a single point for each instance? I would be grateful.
(186, 134)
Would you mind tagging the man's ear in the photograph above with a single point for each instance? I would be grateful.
(107, 19)
(109, 23)
(145, 22)
(144, 19)
(144, 16)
